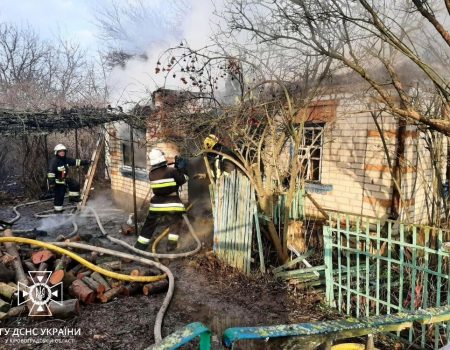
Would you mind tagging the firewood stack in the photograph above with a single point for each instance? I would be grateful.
(80, 284)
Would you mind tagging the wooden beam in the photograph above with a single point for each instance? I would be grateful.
(91, 172)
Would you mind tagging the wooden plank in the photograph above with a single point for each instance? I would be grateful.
(91, 172)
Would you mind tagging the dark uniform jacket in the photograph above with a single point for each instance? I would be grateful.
(218, 164)
(165, 182)
(58, 168)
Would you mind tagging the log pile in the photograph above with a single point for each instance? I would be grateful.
(80, 284)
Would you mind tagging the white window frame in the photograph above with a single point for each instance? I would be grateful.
(307, 149)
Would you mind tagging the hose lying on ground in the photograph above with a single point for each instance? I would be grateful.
(56, 246)
(170, 291)
(148, 254)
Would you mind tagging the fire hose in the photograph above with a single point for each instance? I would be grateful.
(56, 246)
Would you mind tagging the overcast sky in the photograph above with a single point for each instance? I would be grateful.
(69, 18)
(75, 20)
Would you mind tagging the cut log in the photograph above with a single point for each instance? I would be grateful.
(29, 265)
(99, 278)
(6, 290)
(82, 292)
(132, 289)
(83, 274)
(144, 271)
(76, 269)
(18, 311)
(41, 256)
(4, 306)
(6, 275)
(68, 279)
(94, 285)
(68, 308)
(12, 250)
(3, 315)
(108, 295)
(155, 287)
(62, 263)
(43, 266)
(114, 283)
(91, 257)
(56, 277)
(112, 265)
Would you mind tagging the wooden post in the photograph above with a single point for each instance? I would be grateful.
(133, 172)
(91, 172)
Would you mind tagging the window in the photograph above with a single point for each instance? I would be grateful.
(140, 147)
(139, 155)
(310, 152)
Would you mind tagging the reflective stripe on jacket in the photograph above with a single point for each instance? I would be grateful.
(165, 183)
(59, 168)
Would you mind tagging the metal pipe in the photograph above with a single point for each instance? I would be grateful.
(133, 172)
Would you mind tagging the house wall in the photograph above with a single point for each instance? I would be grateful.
(158, 132)
(355, 165)
(122, 182)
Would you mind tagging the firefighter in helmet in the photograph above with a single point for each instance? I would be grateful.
(58, 181)
(165, 205)
(218, 164)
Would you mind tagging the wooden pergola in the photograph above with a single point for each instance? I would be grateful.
(18, 123)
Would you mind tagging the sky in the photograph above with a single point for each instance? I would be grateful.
(50, 18)
(75, 20)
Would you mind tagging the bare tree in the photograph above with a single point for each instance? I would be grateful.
(35, 74)
(259, 118)
(374, 39)
(129, 28)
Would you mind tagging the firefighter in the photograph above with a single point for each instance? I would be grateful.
(57, 177)
(165, 205)
(218, 164)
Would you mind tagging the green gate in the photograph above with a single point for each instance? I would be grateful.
(374, 269)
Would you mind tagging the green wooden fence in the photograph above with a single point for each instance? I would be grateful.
(235, 217)
(374, 269)
(297, 210)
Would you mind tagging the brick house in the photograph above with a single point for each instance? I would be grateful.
(157, 134)
(350, 167)
(343, 154)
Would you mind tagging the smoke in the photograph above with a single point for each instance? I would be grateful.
(102, 204)
(135, 82)
(54, 222)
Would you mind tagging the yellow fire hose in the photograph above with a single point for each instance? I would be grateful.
(82, 261)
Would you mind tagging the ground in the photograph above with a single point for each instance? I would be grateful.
(205, 291)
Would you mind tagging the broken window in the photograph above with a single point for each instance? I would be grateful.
(140, 146)
(310, 152)
(140, 153)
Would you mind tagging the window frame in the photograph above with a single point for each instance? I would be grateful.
(308, 149)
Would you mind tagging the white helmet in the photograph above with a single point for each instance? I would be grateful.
(157, 157)
(59, 147)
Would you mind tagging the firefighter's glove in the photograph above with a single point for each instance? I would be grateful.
(180, 163)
